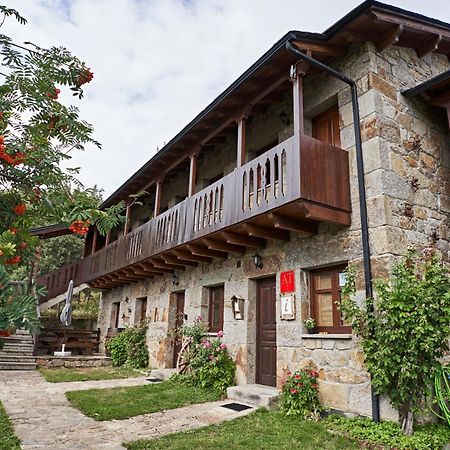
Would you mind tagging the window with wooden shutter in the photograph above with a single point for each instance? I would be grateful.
(325, 297)
(216, 305)
(325, 127)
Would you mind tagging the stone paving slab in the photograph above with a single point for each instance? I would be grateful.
(43, 418)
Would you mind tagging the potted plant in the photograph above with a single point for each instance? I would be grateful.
(310, 325)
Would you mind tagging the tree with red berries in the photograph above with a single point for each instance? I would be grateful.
(37, 134)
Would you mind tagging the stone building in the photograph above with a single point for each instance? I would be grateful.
(252, 212)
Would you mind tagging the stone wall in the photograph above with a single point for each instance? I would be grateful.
(403, 140)
(52, 362)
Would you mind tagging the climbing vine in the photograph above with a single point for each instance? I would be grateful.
(407, 335)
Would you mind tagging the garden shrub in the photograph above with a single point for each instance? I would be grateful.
(129, 347)
(389, 434)
(407, 335)
(299, 396)
(209, 364)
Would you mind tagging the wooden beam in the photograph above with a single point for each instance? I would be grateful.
(325, 214)
(157, 270)
(215, 244)
(240, 239)
(143, 272)
(321, 48)
(170, 259)
(163, 265)
(151, 271)
(429, 46)
(188, 256)
(241, 141)
(115, 278)
(108, 238)
(389, 38)
(130, 273)
(297, 94)
(266, 232)
(202, 251)
(288, 223)
(94, 241)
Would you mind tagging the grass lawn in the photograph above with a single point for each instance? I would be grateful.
(88, 374)
(8, 440)
(260, 430)
(124, 402)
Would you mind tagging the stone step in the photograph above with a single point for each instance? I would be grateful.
(16, 351)
(18, 347)
(162, 374)
(17, 366)
(255, 394)
(17, 340)
(17, 358)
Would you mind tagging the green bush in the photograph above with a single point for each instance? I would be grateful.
(427, 437)
(129, 347)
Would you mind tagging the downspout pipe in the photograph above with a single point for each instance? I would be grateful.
(361, 185)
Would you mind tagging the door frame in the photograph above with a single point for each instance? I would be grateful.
(257, 317)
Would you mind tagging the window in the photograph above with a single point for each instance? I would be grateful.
(141, 309)
(216, 308)
(325, 295)
(114, 323)
(325, 127)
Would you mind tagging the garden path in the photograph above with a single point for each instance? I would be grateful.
(44, 419)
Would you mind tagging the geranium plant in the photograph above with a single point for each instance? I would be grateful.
(310, 323)
(299, 396)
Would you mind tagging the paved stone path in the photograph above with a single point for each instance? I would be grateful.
(44, 419)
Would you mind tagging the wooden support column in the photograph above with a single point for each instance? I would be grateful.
(157, 198)
(127, 219)
(241, 141)
(192, 174)
(94, 241)
(108, 238)
(297, 83)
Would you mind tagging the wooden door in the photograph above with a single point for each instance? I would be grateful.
(114, 321)
(325, 127)
(179, 319)
(266, 336)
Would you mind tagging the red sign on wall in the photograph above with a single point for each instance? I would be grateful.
(287, 282)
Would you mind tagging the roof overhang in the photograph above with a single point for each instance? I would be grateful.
(385, 25)
(50, 231)
(435, 91)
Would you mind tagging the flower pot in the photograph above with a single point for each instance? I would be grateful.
(5, 333)
(311, 330)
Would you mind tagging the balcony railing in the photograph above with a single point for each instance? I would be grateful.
(283, 174)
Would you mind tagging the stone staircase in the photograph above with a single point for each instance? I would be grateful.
(254, 394)
(17, 352)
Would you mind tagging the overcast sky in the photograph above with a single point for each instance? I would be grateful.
(158, 63)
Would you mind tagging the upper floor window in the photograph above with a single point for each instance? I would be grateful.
(325, 127)
(216, 305)
(326, 287)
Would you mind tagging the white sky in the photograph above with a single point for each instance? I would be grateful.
(158, 63)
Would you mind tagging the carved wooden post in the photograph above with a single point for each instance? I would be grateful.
(158, 198)
(297, 84)
(108, 238)
(241, 141)
(192, 174)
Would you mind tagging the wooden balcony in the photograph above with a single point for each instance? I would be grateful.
(291, 187)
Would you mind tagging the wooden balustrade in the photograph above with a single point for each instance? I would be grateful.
(318, 173)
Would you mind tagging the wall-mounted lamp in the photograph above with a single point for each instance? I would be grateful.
(175, 281)
(257, 260)
(238, 307)
(284, 118)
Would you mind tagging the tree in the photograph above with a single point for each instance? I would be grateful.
(37, 134)
(407, 335)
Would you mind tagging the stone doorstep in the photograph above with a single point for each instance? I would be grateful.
(219, 414)
(162, 374)
(254, 394)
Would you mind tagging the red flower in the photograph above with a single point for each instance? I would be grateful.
(314, 386)
(23, 245)
(20, 209)
(314, 374)
(293, 391)
(13, 230)
(297, 377)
